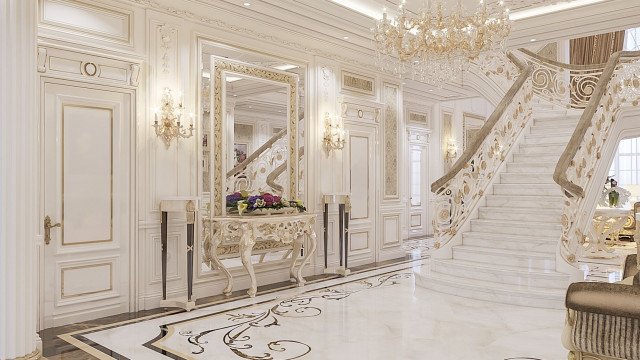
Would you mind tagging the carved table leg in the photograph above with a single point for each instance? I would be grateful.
(307, 257)
(297, 246)
(246, 247)
(217, 239)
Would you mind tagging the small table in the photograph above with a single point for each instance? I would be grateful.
(188, 205)
(607, 223)
(249, 230)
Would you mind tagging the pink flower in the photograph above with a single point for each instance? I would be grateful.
(268, 198)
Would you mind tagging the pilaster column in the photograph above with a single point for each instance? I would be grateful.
(19, 193)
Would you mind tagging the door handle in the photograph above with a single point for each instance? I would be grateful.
(48, 224)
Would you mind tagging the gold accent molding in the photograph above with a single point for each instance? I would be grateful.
(35, 355)
(63, 296)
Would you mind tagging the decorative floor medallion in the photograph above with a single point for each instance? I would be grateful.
(376, 315)
(236, 329)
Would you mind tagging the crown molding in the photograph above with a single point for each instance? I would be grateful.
(218, 23)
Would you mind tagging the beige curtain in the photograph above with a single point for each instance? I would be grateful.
(595, 49)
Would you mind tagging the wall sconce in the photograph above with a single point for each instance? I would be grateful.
(334, 134)
(169, 127)
(452, 150)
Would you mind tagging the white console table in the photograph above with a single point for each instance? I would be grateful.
(249, 230)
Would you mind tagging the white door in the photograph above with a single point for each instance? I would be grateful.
(418, 183)
(360, 170)
(86, 156)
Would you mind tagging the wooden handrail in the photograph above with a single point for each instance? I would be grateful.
(243, 165)
(563, 65)
(525, 72)
(560, 172)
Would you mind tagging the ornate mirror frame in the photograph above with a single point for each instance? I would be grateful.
(220, 67)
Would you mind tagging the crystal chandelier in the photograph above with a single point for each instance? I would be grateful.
(434, 46)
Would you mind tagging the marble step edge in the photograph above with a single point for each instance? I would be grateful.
(529, 201)
(509, 237)
(547, 246)
(544, 186)
(524, 210)
(555, 134)
(532, 164)
(484, 285)
(533, 255)
(517, 178)
(556, 144)
(500, 268)
(516, 223)
(568, 117)
(498, 295)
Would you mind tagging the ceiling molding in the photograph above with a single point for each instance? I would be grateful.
(187, 14)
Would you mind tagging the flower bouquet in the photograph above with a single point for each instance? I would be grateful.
(263, 204)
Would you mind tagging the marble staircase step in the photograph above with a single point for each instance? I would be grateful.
(553, 202)
(547, 138)
(548, 119)
(553, 129)
(547, 149)
(529, 189)
(532, 158)
(533, 167)
(526, 260)
(515, 227)
(542, 214)
(523, 178)
(511, 242)
(492, 291)
(509, 275)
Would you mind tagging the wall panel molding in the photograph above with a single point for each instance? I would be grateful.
(103, 23)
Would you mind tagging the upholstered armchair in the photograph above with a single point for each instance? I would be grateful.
(603, 319)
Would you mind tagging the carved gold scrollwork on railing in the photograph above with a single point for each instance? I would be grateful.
(618, 86)
(253, 176)
(567, 85)
(458, 192)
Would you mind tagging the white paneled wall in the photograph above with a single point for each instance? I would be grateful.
(164, 37)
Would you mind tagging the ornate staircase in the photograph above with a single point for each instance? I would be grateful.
(509, 253)
(513, 215)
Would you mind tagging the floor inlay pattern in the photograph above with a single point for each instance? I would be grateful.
(377, 314)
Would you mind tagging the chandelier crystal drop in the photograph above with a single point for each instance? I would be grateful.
(436, 47)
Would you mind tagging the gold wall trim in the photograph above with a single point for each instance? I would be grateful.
(62, 271)
(63, 181)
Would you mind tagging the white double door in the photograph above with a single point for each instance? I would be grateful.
(87, 176)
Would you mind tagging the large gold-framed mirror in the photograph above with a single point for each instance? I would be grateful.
(236, 86)
(252, 137)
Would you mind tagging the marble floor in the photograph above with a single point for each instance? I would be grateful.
(376, 314)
